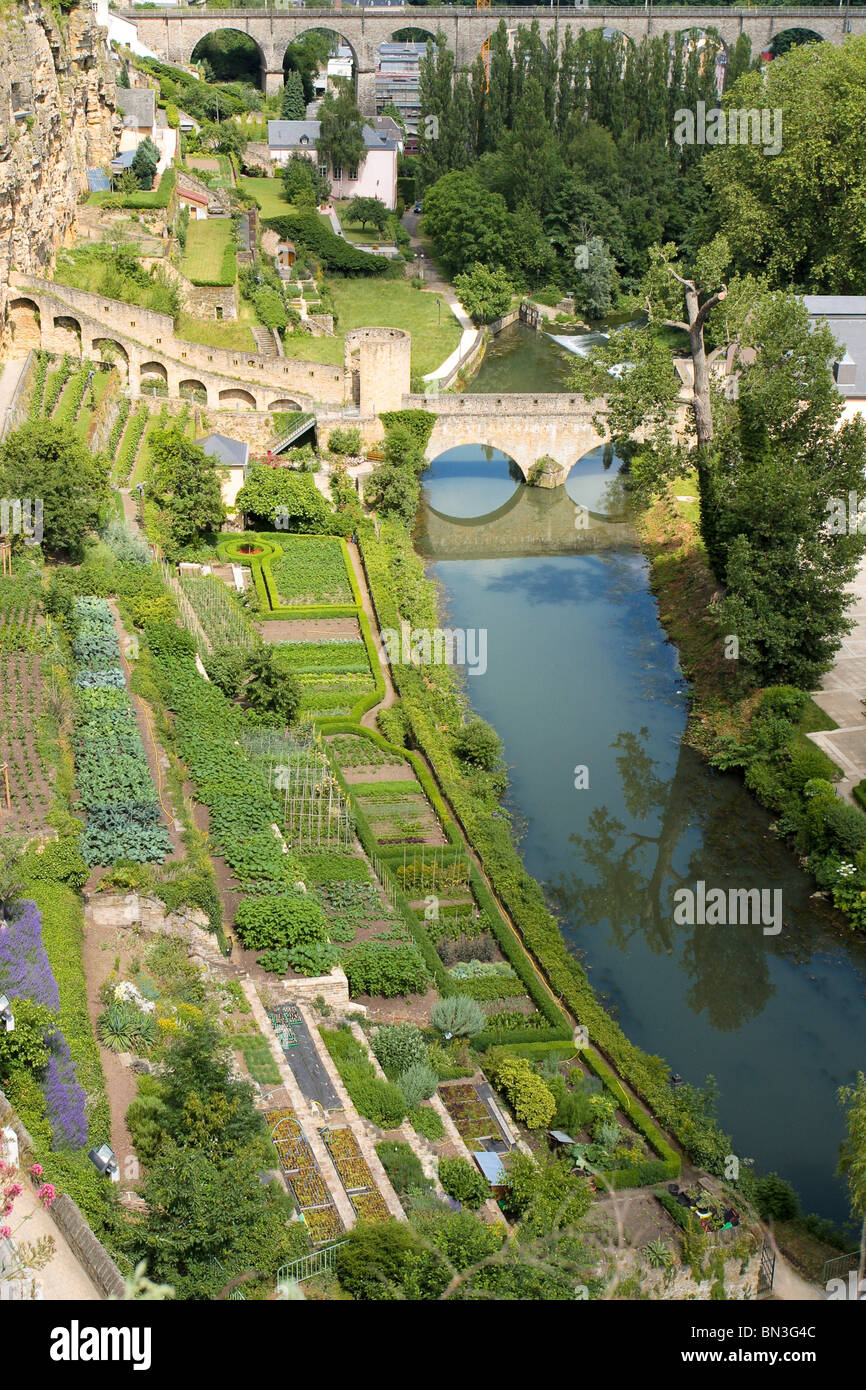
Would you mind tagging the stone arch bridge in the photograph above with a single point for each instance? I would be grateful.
(173, 33)
(524, 426)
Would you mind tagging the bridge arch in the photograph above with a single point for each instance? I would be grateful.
(792, 37)
(248, 62)
(283, 403)
(338, 39)
(236, 399)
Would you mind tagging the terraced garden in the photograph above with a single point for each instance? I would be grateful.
(26, 772)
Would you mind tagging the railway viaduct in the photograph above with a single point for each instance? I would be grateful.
(173, 33)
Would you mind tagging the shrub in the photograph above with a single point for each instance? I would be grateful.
(458, 1015)
(402, 1166)
(531, 1100)
(479, 745)
(381, 1101)
(399, 1046)
(418, 1083)
(775, 1198)
(345, 441)
(463, 1182)
(427, 1122)
(286, 921)
(166, 639)
(376, 967)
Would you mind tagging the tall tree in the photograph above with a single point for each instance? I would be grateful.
(185, 484)
(292, 105)
(341, 139)
(43, 461)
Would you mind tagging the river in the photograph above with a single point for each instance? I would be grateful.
(580, 675)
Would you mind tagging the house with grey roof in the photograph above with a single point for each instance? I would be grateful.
(232, 457)
(137, 107)
(845, 316)
(375, 175)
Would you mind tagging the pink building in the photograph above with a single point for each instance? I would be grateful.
(375, 176)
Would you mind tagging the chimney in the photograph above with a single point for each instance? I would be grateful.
(845, 370)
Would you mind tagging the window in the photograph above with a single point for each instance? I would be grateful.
(338, 172)
(219, 311)
(323, 171)
(353, 174)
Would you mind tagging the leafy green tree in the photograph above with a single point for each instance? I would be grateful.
(293, 107)
(775, 1198)
(366, 210)
(484, 293)
(341, 140)
(302, 183)
(479, 744)
(594, 286)
(283, 498)
(467, 222)
(185, 484)
(547, 1195)
(46, 461)
(269, 689)
(789, 217)
(394, 491)
(463, 1182)
(385, 1261)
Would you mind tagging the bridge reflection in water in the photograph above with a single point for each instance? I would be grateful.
(476, 504)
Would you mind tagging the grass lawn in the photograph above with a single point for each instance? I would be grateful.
(225, 333)
(687, 486)
(361, 236)
(309, 349)
(269, 193)
(206, 245)
(97, 386)
(361, 302)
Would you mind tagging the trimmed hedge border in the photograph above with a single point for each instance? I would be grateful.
(523, 899)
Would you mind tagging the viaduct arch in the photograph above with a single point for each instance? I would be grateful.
(174, 33)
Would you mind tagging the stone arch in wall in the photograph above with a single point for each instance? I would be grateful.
(236, 399)
(190, 389)
(67, 333)
(153, 378)
(113, 352)
(285, 404)
(24, 326)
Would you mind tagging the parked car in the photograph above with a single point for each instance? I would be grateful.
(417, 207)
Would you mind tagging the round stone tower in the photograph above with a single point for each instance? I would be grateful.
(378, 360)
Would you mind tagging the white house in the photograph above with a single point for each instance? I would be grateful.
(845, 316)
(375, 176)
(142, 120)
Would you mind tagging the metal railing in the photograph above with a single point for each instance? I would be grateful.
(838, 1267)
(309, 1265)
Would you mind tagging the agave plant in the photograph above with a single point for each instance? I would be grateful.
(658, 1254)
(117, 1027)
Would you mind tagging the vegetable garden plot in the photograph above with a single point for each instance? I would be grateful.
(111, 771)
(314, 812)
(300, 1167)
(311, 570)
(322, 658)
(355, 1175)
(221, 616)
(469, 1113)
(29, 778)
(350, 751)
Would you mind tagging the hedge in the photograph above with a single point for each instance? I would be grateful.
(523, 898)
(315, 235)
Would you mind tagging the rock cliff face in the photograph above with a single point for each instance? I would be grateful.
(57, 111)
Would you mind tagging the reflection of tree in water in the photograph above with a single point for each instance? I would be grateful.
(631, 878)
